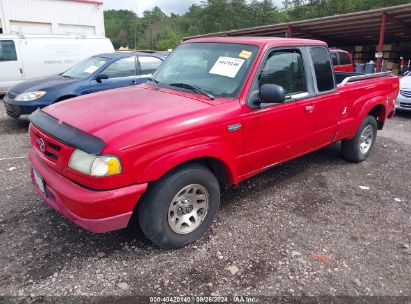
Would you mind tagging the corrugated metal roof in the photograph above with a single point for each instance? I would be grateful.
(88, 1)
(347, 29)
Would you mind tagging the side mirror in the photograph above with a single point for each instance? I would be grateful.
(271, 93)
(100, 77)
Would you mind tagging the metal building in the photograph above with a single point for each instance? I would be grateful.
(55, 17)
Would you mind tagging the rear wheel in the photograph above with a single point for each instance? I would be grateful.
(179, 208)
(358, 148)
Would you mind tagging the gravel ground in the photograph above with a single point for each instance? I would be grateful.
(303, 228)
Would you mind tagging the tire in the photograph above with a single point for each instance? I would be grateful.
(358, 148)
(164, 210)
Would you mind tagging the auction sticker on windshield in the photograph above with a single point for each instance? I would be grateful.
(245, 54)
(227, 66)
(91, 69)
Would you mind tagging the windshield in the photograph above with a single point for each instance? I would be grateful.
(217, 68)
(85, 68)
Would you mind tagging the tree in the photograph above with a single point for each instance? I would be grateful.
(121, 27)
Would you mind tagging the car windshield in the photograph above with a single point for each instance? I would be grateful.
(217, 68)
(85, 68)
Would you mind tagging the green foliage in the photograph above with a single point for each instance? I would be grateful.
(156, 30)
(169, 41)
(121, 27)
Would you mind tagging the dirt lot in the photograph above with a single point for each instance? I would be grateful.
(303, 228)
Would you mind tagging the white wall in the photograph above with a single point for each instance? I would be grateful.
(52, 17)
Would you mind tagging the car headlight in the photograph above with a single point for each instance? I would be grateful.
(95, 165)
(30, 96)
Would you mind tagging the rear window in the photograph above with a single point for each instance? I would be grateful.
(334, 58)
(323, 69)
(149, 64)
(7, 51)
(344, 58)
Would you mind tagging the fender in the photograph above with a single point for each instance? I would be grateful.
(368, 106)
(157, 168)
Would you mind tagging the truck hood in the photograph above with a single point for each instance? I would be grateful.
(117, 113)
(42, 84)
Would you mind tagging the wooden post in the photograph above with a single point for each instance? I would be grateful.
(381, 43)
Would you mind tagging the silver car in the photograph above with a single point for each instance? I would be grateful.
(404, 98)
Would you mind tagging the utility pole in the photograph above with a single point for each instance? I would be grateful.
(151, 34)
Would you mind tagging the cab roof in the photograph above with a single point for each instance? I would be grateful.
(260, 41)
(338, 50)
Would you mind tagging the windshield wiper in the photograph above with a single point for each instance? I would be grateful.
(66, 76)
(192, 88)
(155, 82)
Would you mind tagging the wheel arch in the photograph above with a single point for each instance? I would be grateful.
(215, 157)
(379, 113)
(374, 107)
(216, 166)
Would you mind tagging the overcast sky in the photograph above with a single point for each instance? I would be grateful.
(167, 6)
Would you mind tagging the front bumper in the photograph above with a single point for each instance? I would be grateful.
(403, 103)
(15, 109)
(95, 211)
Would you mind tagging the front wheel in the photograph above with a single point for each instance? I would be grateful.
(358, 148)
(180, 207)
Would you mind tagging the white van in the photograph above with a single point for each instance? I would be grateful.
(32, 56)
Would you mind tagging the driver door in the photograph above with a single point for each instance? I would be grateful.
(274, 133)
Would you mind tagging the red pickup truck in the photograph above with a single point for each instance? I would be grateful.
(216, 112)
(342, 60)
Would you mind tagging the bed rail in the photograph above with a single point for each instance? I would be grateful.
(365, 77)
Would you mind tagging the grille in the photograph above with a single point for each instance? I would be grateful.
(11, 95)
(405, 93)
(51, 149)
(12, 110)
(405, 105)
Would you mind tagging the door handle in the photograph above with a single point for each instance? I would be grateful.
(309, 108)
(21, 71)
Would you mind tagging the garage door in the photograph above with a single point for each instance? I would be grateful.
(30, 27)
(77, 29)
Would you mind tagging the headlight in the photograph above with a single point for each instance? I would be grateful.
(30, 96)
(94, 165)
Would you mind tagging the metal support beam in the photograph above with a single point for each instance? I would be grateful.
(290, 32)
(381, 43)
